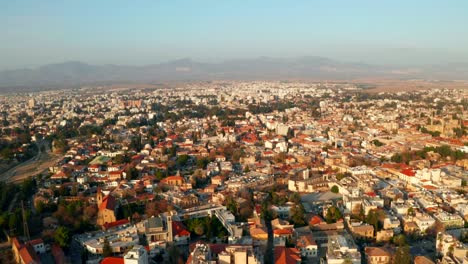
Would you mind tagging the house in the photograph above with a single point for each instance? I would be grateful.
(363, 231)
(137, 255)
(307, 246)
(377, 255)
(422, 260)
(341, 248)
(424, 222)
(218, 180)
(257, 230)
(410, 227)
(38, 245)
(384, 235)
(24, 253)
(449, 220)
(173, 181)
(284, 255)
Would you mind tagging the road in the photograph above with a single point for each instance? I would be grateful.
(37, 164)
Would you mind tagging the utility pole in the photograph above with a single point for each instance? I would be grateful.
(25, 223)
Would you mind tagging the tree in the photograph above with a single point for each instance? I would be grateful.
(333, 214)
(202, 163)
(199, 229)
(295, 198)
(62, 236)
(402, 255)
(335, 189)
(464, 237)
(231, 205)
(397, 158)
(377, 143)
(399, 240)
(107, 249)
(132, 173)
(297, 215)
(182, 160)
(372, 219)
(40, 206)
(119, 159)
(174, 255)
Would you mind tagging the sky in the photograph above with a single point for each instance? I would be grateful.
(139, 32)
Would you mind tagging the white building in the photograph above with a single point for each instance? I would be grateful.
(137, 255)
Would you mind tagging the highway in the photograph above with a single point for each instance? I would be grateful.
(37, 164)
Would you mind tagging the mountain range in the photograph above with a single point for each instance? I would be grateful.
(75, 73)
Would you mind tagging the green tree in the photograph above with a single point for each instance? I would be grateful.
(402, 255)
(397, 158)
(202, 163)
(174, 255)
(399, 240)
(62, 236)
(297, 215)
(333, 214)
(377, 143)
(372, 219)
(182, 160)
(335, 189)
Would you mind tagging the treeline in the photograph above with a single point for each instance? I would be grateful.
(11, 221)
(210, 227)
(10, 150)
(444, 151)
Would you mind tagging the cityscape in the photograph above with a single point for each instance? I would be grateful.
(116, 147)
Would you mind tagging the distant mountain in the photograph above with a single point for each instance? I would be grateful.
(76, 73)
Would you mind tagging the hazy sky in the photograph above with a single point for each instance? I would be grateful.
(136, 32)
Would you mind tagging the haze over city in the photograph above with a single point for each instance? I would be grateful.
(148, 32)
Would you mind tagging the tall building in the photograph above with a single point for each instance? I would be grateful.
(32, 103)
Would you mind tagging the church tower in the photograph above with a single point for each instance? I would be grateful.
(99, 197)
(169, 227)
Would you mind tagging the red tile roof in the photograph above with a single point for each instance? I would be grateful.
(282, 231)
(36, 241)
(116, 223)
(408, 172)
(316, 220)
(108, 202)
(28, 255)
(112, 260)
(284, 255)
(179, 229)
